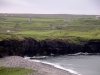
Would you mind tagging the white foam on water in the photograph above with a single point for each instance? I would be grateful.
(79, 53)
(56, 66)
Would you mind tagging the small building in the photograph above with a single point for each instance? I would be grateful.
(8, 31)
(66, 20)
(97, 17)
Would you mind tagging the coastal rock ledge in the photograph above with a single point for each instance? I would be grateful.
(31, 47)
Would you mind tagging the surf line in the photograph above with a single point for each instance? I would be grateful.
(56, 66)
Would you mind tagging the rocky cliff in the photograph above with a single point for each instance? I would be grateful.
(31, 47)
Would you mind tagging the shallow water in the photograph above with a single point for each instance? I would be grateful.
(83, 64)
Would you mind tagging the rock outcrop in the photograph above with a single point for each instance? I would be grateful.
(31, 47)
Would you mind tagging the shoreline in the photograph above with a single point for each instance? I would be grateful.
(58, 66)
(41, 68)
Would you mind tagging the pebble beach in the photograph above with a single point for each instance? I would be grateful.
(41, 68)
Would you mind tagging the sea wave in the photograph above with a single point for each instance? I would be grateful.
(81, 53)
(55, 65)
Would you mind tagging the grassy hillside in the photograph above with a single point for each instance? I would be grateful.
(41, 27)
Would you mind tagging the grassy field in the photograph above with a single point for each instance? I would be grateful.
(14, 71)
(61, 26)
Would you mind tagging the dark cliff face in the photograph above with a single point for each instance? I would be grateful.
(93, 46)
(31, 47)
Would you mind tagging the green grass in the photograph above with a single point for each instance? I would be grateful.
(50, 27)
(14, 71)
(61, 34)
(5, 36)
(85, 21)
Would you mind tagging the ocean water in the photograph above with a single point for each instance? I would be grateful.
(77, 64)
